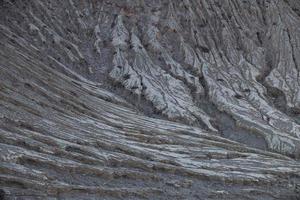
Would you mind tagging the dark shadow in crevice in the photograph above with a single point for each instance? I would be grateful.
(278, 99)
(226, 125)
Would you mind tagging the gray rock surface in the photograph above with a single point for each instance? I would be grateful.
(149, 99)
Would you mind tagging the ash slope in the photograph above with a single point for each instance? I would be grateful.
(149, 99)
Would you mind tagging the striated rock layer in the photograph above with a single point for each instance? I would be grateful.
(149, 99)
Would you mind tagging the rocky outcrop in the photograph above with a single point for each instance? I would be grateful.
(149, 99)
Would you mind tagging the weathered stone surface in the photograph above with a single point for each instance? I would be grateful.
(193, 99)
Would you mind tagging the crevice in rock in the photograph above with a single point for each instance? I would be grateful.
(227, 125)
(2, 194)
(138, 102)
(275, 96)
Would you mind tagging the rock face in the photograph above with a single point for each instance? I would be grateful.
(149, 99)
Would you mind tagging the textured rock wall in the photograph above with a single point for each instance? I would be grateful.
(140, 99)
